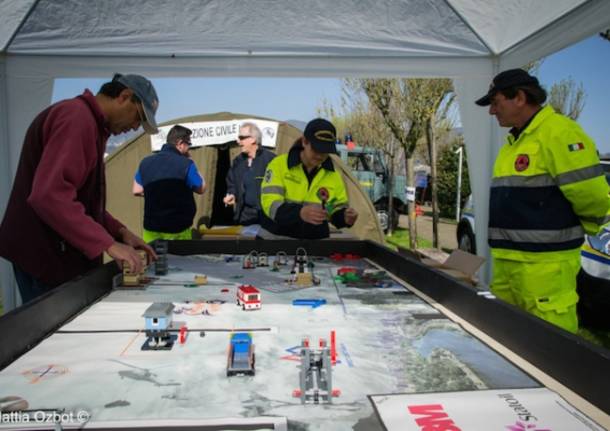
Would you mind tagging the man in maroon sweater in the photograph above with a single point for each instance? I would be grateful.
(56, 226)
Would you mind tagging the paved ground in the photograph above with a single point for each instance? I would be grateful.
(446, 231)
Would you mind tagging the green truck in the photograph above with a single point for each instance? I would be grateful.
(368, 166)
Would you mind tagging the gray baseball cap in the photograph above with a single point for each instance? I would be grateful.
(144, 90)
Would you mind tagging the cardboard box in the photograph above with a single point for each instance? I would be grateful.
(459, 264)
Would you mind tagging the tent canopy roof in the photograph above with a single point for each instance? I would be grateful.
(369, 28)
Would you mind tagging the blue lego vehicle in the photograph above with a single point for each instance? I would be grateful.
(240, 358)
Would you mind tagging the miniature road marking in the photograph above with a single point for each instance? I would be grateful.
(130, 343)
(332, 277)
(45, 372)
(347, 357)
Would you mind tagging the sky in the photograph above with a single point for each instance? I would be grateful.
(299, 98)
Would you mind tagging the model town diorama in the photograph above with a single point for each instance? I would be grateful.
(406, 346)
(315, 381)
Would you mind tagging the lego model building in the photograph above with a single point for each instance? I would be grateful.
(132, 279)
(302, 270)
(161, 267)
(280, 259)
(157, 321)
(262, 259)
(201, 279)
(250, 260)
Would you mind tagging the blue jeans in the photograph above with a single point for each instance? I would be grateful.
(29, 287)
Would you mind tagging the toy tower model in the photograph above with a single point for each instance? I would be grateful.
(301, 272)
(135, 279)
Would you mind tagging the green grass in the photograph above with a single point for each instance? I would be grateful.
(400, 237)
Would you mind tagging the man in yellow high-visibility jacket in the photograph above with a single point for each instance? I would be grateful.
(547, 190)
(302, 191)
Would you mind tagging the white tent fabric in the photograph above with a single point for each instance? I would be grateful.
(468, 40)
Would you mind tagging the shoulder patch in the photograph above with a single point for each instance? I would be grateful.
(268, 175)
(576, 147)
(522, 162)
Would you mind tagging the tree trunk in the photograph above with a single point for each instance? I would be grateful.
(390, 191)
(432, 149)
(412, 221)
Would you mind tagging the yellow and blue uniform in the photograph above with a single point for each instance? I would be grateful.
(287, 187)
(548, 190)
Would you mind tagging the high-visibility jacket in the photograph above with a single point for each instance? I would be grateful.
(548, 189)
(286, 189)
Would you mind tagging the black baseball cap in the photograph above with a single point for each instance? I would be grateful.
(507, 79)
(322, 135)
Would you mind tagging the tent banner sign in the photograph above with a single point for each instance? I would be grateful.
(535, 409)
(218, 132)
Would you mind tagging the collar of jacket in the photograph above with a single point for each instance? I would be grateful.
(171, 148)
(100, 118)
(542, 114)
(259, 151)
(294, 158)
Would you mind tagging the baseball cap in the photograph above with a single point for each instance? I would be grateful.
(144, 90)
(507, 79)
(322, 135)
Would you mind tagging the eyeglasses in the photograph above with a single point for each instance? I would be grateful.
(184, 141)
(242, 137)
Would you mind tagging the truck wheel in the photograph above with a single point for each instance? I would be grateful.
(384, 218)
(466, 240)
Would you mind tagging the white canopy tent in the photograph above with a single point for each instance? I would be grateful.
(467, 40)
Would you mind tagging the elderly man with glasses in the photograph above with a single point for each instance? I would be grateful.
(56, 226)
(246, 174)
(167, 181)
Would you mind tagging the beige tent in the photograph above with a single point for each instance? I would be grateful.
(213, 162)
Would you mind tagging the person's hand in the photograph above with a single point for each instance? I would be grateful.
(229, 199)
(124, 254)
(313, 214)
(351, 215)
(130, 238)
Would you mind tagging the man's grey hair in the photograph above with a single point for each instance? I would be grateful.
(254, 131)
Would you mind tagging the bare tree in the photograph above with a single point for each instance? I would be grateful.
(567, 98)
(365, 124)
(410, 109)
(426, 104)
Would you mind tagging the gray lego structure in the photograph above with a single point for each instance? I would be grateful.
(315, 377)
(161, 262)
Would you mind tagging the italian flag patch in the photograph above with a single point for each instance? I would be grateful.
(576, 147)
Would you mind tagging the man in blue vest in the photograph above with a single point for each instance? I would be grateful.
(167, 181)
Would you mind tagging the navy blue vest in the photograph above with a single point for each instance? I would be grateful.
(169, 205)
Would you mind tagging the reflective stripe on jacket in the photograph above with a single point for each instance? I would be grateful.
(548, 189)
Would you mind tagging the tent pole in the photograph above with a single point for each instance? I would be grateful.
(7, 280)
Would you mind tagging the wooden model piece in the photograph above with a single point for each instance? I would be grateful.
(201, 279)
(136, 279)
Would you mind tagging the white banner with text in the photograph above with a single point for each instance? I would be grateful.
(536, 409)
(218, 132)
